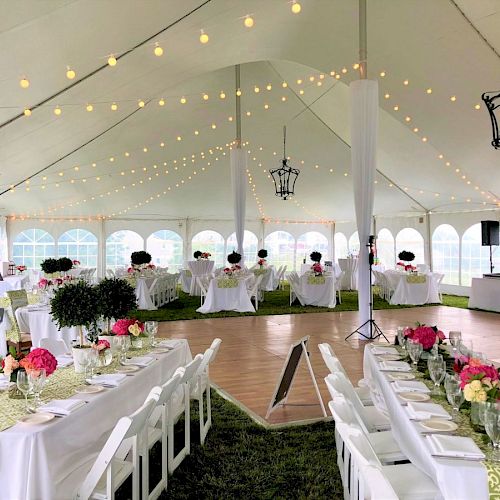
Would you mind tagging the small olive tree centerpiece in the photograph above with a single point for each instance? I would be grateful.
(76, 305)
(116, 298)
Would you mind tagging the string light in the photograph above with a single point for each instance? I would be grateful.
(429, 91)
(114, 106)
(205, 97)
(70, 74)
(248, 22)
(27, 112)
(296, 7)
(161, 102)
(141, 104)
(158, 51)
(183, 100)
(203, 37)
(57, 111)
(24, 82)
(89, 108)
(238, 92)
(112, 60)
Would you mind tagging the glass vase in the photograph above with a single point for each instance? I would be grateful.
(136, 342)
(474, 414)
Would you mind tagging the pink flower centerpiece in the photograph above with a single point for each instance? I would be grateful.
(39, 359)
(21, 269)
(480, 382)
(101, 345)
(128, 326)
(425, 335)
(205, 255)
(76, 263)
(261, 263)
(317, 269)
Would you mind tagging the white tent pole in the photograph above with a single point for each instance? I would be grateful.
(428, 235)
(101, 250)
(363, 44)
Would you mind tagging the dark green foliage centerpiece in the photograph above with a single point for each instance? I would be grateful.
(315, 256)
(262, 253)
(140, 258)
(116, 298)
(234, 258)
(65, 264)
(76, 305)
(197, 254)
(406, 256)
(50, 266)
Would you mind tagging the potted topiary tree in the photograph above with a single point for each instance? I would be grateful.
(315, 256)
(77, 305)
(262, 254)
(197, 255)
(140, 258)
(50, 266)
(116, 298)
(65, 264)
(405, 257)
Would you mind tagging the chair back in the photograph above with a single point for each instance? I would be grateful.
(56, 346)
(255, 289)
(202, 284)
(343, 385)
(215, 346)
(191, 368)
(17, 299)
(373, 485)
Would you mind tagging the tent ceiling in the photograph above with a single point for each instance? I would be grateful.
(430, 44)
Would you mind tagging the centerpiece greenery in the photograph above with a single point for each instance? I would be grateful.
(116, 298)
(140, 258)
(234, 258)
(50, 266)
(315, 256)
(406, 256)
(262, 253)
(65, 264)
(197, 254)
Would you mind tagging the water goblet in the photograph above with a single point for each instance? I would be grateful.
(93, 357)
(492, 427)
(455, 337)
(37, 379)
(401, 336)
(466, 347)
(437, 371)
(23, 384)
(123, 342)
(152, 330)
(414, 350)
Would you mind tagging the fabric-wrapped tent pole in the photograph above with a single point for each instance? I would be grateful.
(238, 174)
(364, 126)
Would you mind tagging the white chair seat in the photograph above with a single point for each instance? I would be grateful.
(385, 446)
(364, 395)
(121, 471)
(375, 419)
(410, 483)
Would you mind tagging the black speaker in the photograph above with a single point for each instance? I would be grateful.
(490, 233)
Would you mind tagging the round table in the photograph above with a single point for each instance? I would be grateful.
(199, 268)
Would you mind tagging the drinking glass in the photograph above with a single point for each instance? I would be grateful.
(23, 384)
(152, 330)
(466, 347)
(37, 379)
(414, 350)
(93, 357)
(84, 362)
(123, 342)
(455, 337)
(492, 426)
(437, 371)
(401, 336)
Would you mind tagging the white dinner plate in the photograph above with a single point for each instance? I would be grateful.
(401, 376)
(414, 396)
(389, 357)
(128, 369)
(439, 425)
(89, 389)
(36, 418)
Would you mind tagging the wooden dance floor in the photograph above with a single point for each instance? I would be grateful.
(254, 348)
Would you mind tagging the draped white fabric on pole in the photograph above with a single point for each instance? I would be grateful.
(239, 184)
(364, 126)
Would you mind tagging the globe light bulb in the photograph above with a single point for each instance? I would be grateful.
(70, 74)
(183, 100)
(296, 7)
(205, 97)
(248, 22)
(27, 112)
(222, 95)
(158, 51)
(203, 37)
(57, 111)
(161, 102)
(114, 106)
(89, 108)
(24, 83)
(112, 60)
(141, 104)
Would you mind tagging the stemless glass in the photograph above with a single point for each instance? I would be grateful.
(84, 362)
(152, 330)
(93, 357)
(466, 347)
(23, 384)
(437, 371)
(123, 342)
(492, 427)
(401, 336)
(37, 379)
(455, 337)
(414, 350)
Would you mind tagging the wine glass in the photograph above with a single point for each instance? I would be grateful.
(92, 357)
(401, 336)
(84, 362)
(414, 350)
(23, 384)
(123, 342)
(492, 426)
(152, 329)
(455, 337)
(466, 347)
(437, 371)
(37, 379)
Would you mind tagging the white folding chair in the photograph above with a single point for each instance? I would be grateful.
(203, 285)
(334, 365)
(152, 291)
(281, 278)
(185, 383)
(374, 420)
(111, 469)
(203, 386)
(406, 480)
(439, 279)
(155, 434)
(255, 293)
(55, 346)
(338, 285)
(294, 290)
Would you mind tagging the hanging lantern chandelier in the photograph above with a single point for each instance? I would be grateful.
(492, 101)
(285, 176)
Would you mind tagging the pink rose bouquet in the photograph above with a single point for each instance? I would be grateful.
(44, 283)
(425, 335)
(479, 382)
(76, 262)
(101, 345)
(128, 326)
(317, 269)
(261, 262)
(39, 359)
(9, 365)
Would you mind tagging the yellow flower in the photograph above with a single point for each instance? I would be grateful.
(476, 385)
(134, 330)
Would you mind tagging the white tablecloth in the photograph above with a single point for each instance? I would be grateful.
(199, 268)
(17, 282)
(142, 294)
(186, 278)
(409, 293)
(38, 321)
(350, 268)
(457, 479)
(322, 295)
(34, 460)
(485, 294)
(305, 268)
(227, 299)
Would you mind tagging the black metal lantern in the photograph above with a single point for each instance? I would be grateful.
(492, 101)
(285, 176)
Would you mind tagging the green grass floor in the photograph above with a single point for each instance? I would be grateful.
(277, 302)
(243, 460)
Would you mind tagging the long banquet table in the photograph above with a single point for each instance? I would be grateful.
(485, 294)
(456, 479)
(36, 460)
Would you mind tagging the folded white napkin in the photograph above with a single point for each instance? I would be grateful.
(395, 366)
(62, 406)
(140, 361)
(64, 360)
(410, 386)
(4, 382)
(108, 379)
(167, 343)
(425, 411)
(378, 349)
(454, 447)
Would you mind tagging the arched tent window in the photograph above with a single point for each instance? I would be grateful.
(354, 243)
(78, 244)
(280, 246)
(309, 242)
(475, 257)
(166, 249)
(411, 240)
(31, 247)
(250, 243)
(445, 250)
(341, 249)
(385, 248)
(120, 245)
(210, 241)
